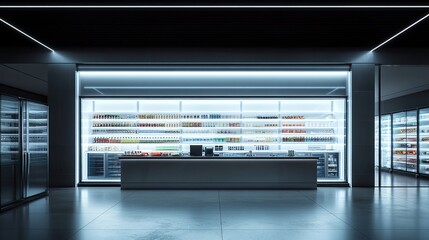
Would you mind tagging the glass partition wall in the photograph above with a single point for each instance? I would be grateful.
(231, 126)
(404, 127)
(239, 111)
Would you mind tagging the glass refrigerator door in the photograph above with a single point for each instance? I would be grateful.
(35, 148)
(424, 140)
(412, 141)
(10, 151)
(386, 141)
(400, 141)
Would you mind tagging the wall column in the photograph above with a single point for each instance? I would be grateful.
(62, 122)
(362, 125)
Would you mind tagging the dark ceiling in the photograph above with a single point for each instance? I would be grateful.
(288, 28)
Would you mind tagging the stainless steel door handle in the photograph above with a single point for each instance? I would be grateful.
(24, 175)
(26, 158)
(27, 171)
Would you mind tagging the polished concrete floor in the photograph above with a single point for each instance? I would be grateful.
(327, 213)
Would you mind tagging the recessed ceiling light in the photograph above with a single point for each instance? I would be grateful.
(399, 33)
(25, 34)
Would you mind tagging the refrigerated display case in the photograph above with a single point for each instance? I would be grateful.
(424, 141)
(95, 165)
(35, 148)
(386, 141)
(400, 141)
(231, 127)
(24, 150)
(10, 150)
(328, 166)
(405, 141)
(104, 165)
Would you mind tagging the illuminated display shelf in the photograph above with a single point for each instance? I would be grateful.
(229, 126)
(424, 141)
(273, 125)
(405, 139)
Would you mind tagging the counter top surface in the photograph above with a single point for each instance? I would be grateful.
(210, 158)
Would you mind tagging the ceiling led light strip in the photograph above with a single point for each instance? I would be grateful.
(25, 34)
(213, 87)
(216, 6)
(399, 33)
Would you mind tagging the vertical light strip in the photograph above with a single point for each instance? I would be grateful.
(23, 33)
(399, 33)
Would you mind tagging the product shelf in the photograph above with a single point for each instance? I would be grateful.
(252, 127)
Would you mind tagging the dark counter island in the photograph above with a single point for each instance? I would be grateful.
(139, 172)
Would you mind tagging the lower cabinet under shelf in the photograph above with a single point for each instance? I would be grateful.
(104, 165)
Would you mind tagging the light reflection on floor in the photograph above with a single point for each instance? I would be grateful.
(394, 179)
(326, 213)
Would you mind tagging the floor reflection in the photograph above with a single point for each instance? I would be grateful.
(326, 213)
(395, 179)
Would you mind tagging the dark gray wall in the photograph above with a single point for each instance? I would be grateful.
(362, 126)
(27, 77)
(62, 135)
(407, 102)
(397, 81)
(221, 55)
(404, 88)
